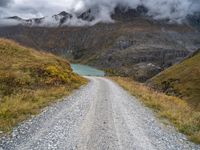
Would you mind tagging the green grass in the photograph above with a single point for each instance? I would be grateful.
(29, 81)
(182, 80)
(177, 111)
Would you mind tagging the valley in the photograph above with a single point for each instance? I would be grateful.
(80, 81)
(139, 48)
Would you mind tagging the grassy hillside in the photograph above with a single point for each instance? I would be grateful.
(176, 110)
(29, 81)
(182, 80)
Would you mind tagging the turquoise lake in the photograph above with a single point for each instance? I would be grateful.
(85, 70)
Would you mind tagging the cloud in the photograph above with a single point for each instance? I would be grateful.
(4, 22)
(160, 9)
(4, 3)
(175, 10)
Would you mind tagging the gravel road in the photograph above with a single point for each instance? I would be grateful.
(99, 116)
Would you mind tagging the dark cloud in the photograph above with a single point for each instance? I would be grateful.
(4, 3)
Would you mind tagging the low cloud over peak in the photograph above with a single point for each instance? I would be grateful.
(174, 10)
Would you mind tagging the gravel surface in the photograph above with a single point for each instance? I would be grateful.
(99, 116)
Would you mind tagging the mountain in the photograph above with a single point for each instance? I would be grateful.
(57, 20)
(29, 81)
(88, 15)
(134, 45)
(26, 22)
(62, 17)
(127, 14)
(91, 17)
(15, 18)
(182, 80)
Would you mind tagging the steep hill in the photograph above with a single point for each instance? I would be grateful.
(29, 81)
(182, 80)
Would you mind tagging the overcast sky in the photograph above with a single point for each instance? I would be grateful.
(40, 8)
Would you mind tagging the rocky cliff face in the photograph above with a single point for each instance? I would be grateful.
(134, 45)
(128, 14)
(194, 20)
(144, 54)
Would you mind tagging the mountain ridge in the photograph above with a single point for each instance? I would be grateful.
(89, 17)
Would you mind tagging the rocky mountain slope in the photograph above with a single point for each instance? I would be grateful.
(134, 45)
(181, 80)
